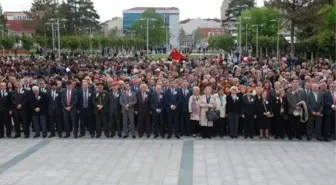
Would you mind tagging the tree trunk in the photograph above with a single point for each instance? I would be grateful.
(266, 51)
(292, 31)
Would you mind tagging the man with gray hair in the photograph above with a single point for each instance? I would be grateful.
(39, 104)
(5, 112)
(315, 106)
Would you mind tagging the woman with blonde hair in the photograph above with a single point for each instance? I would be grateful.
(194, 110)
(220, 100)
(207, 101)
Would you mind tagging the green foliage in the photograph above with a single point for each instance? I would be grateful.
(27, 42)
(183, 36)
(2, 17)
(7, 42)
(198, 35)
(224, 42)
(41, 40)
(236, 7)
(156, 27)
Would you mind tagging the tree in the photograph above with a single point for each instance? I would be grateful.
(40, 13)
(236, 7)
(198, 35)
(7, 42)
(300, 14)
(183, 36)
(80, 14)
(2, 17)
(224, 42)
(157, 32)
(41, 40)
(27, 42)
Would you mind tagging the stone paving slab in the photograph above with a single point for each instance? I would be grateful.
(103, 162)
(9, 148)
(264, 162)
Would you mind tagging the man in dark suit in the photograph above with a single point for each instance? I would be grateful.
(143, 108)
(157, 107)
(315, 104)
(5, 111)
(114, 111)
(54, 111)
(19, 109)
(274, 92)
(100, 104)
(294, 96)
(172, 101)
(85, 107)
(69, 101)
(329, 110)
(184, 111)
(39, 104)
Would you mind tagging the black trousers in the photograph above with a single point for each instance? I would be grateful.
(158, 121)
(20, 119)
(55, 122)
(70, 119)
(295, 127)
(279, 126)
(195, 127)
(220, 127)
(144, 125)
(86, 121)
(184, 123)
(206, 131)
(101, 121)
(248, 126)
(5, 122)
(327, 124)
(114, 121)
(173, 121)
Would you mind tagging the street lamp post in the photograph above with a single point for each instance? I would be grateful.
(58, 20)
(257, 38)
(147, 31)
(167, 36)
(278, 37)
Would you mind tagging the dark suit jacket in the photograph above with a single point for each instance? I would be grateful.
(233, 106)
(262, 107)
(172, 99)
(313, 105)
(5, 103)
(73, 99)
(157, 102)
(143, 105)
(277, 105)
(20, 98)
(248, 107)
(114, 105)
(55, 105)
(185, 100)
(95, 101)
(81, 99)
(41, 102)
(328, 102)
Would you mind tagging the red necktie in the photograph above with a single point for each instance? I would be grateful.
(334, 98)
(68, 98)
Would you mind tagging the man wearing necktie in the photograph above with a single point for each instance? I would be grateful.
(127, 101)
(329, 111)
(114, 111)
(315, 106)
(69, 102)
(143, 108)
(184, 111)
(172, 101)
(5, 112)
(54, 111)
(85, 111)
(19, 102)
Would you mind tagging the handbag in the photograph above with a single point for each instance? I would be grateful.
(212, 114)
(269, 116)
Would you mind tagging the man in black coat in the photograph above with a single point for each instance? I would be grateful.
(5, 111)
(85, 107)
(39, 105)
(184, 112)
(55, 111)
(114, 111)
(157, 107)
(100, 106)
(19, 109)
(143, 108)
(69, 100)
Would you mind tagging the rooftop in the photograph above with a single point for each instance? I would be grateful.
(156, 8)
(18, 26)
(208, 19)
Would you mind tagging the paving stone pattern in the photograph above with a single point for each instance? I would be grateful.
(167, 162)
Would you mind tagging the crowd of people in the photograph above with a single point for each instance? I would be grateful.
(138, 97)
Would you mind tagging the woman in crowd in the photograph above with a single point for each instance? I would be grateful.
(207, 101)
(194, 110)
(233, 109)
(264, 112)
(280, 110)
(248, 113)
(220, 99)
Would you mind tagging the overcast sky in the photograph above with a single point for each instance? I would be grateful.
(111, 8)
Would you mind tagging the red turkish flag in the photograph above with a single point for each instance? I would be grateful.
(176, 55)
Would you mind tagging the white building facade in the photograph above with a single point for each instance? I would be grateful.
(116, 23)
(190, 25)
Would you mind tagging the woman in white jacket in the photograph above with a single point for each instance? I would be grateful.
(220, 104)
(207, 101)
(194, 110)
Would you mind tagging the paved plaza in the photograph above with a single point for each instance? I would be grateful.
(166, 162)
